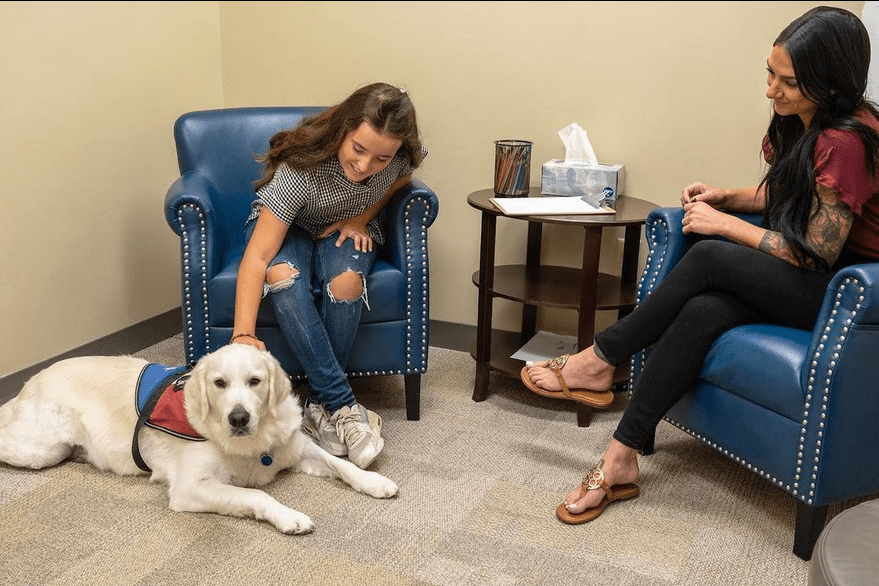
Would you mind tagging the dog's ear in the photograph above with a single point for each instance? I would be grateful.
(197, 391)
(280, 386)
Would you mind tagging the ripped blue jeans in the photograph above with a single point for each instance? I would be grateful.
(320, 336)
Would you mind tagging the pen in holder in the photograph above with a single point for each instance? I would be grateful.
(512, 167)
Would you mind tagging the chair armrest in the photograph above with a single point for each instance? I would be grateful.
(840, 437)
(666, 244)
(408, 215)
(861, 282)
(190, 212)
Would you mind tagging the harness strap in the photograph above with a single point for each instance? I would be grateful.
(177, 378)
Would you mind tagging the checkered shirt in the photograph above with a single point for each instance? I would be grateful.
(316, 198)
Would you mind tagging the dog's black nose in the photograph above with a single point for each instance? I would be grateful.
(239, 417)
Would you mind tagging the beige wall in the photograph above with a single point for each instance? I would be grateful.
(90, 91)
(674, 90)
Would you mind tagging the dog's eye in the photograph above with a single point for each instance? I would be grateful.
(220, 383)
(254, 381)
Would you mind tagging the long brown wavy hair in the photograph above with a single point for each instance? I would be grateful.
(317, 139)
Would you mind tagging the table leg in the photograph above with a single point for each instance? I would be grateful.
(584, 415)
(588, 304)
(532, 262)
(589, 287)
(631, 253)
(484, 318)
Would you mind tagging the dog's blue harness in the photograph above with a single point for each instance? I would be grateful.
(158, 397)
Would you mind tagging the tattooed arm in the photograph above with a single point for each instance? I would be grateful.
(826, 233)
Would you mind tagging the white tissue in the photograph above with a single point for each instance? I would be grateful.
(577, 145)
(580, 173)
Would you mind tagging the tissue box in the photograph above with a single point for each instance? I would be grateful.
(602, 183)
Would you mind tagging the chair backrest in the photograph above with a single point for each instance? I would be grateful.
(223, 145)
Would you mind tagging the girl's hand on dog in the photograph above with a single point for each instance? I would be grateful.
(248, 340)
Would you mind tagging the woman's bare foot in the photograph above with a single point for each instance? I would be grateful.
(583, 370)
(620, 467)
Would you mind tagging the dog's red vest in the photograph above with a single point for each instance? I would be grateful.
(159, 401)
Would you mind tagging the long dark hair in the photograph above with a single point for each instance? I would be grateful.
(830, 52)
(317, 139)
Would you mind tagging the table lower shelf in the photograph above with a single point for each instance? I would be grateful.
(556, 286)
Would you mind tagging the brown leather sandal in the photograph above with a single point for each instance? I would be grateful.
(593, 480)
(600, 399)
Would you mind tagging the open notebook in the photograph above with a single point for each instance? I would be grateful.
(547, 206)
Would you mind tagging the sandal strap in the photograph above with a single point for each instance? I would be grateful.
(594, 479)
(556, 364)
(559, 361)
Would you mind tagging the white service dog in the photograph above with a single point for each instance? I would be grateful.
(238, 398)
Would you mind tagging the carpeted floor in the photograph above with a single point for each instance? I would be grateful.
(479, 485)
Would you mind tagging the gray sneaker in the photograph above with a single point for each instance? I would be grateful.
(316, 423)
(361, 430)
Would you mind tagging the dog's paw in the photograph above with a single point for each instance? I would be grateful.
(376, 485)
(294, 523)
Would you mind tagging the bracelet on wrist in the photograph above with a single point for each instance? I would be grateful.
(251, 336)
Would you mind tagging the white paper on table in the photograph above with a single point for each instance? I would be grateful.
(547, 206)
(546, 345)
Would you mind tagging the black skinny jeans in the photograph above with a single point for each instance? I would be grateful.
(717, 285)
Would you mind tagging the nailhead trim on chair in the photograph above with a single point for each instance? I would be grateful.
(658, 263)
(825, 389)
(731, 456)
(646, 286)
(425, 305)
(406, 215)
(187, 277)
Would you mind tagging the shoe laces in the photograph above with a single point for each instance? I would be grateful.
(321, 419)
(352, 426)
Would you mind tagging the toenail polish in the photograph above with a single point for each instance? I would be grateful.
(570, 507)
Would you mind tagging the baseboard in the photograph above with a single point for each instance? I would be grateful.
(128, 341)
(452, 336)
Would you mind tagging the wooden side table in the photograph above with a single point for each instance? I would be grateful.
(532, 284)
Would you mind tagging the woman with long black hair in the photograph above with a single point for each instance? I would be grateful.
(820, 213)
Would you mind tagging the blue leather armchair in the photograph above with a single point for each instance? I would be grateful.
(207, 207)
(798, 408)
